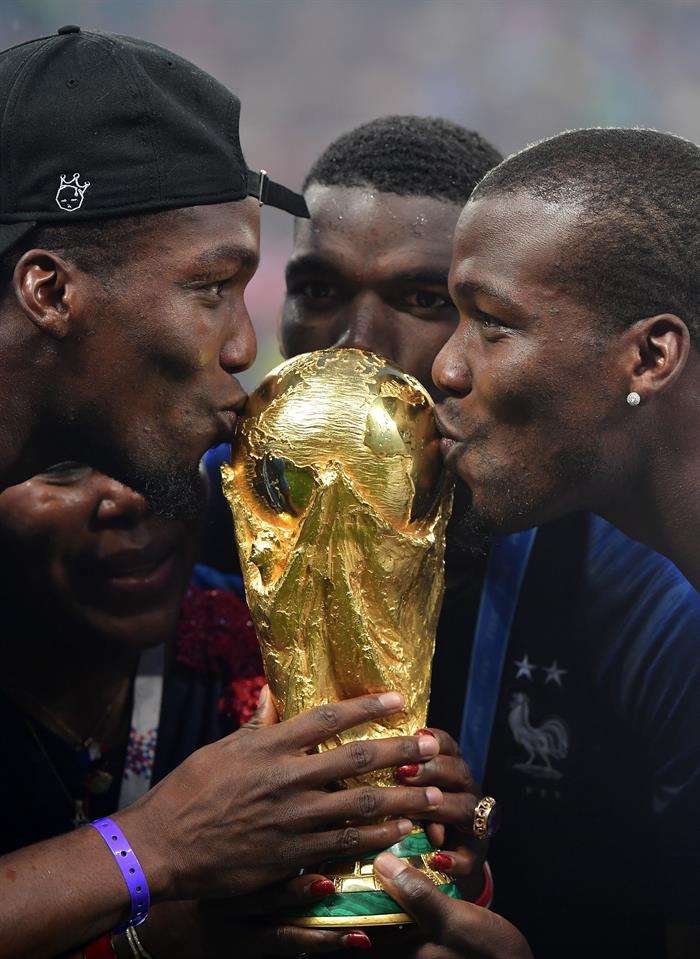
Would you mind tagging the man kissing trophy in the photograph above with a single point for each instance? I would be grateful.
(340, 506)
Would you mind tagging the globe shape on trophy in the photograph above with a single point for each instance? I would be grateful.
(340, 506)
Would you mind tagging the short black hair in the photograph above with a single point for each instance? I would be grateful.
(637, 250)
(407, 155)
(97, 247)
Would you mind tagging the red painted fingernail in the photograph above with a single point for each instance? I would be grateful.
(441, 861)
(426, 732)
(357, 940)
(407, 771)
(322, 887)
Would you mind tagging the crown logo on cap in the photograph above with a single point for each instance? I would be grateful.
(71, 193)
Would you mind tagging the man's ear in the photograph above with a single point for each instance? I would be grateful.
(659, 349)
(43, 286)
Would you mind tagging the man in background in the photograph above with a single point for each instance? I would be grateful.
(582, 856)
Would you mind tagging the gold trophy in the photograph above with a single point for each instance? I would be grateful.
(340, 505)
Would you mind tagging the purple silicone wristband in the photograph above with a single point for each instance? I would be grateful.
(134, 876)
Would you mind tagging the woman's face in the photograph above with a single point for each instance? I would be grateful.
(88, 550)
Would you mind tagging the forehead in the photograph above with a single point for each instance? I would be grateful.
(364, 228)
(195, 230)
(515, 241)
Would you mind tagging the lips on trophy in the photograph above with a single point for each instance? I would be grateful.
(340, 505)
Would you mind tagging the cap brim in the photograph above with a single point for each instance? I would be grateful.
(10, 233)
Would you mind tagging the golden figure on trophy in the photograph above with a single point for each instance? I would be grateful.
(340, 506)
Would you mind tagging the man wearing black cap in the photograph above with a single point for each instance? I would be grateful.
(128, 232)
(115, 155)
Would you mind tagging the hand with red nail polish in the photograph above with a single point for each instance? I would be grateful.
(448, 771)
(322, 888)
(449, 824)
(452, 928)
(408, 771)
(206, 930)
(357, 940)
(441, 861)
(254, 808)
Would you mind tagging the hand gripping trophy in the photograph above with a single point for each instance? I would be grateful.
(340, 506)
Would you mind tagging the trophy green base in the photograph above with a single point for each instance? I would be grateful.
(359, 899)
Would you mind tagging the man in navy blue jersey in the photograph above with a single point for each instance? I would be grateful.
(593, 748)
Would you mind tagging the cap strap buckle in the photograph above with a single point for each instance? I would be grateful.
(268, 192)
(264, 178)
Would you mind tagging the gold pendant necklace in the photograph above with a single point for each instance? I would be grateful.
(79, 817)
(97, 782)
(48, 718)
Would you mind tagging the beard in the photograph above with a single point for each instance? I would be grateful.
(172, 494)
(468, 535)
(174, 491)
(518, 499)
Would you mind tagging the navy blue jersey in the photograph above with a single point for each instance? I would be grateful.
(595, 752)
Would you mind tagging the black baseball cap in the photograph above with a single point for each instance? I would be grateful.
(94, 125)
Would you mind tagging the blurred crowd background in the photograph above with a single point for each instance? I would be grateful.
(308, 70)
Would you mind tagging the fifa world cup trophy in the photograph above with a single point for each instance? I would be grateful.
(340, 507)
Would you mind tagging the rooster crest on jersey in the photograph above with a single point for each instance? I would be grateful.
(548, 741)
(71, 193)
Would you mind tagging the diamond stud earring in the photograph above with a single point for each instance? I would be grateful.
(634, 399)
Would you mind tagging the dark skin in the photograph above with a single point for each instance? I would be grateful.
(337, 300)
(369, 270)
(100, 578)
(110, 566)
(111, 576)
(153, 349)
(535, 419)
(450, 929)
(243, 813)
(137, 370)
